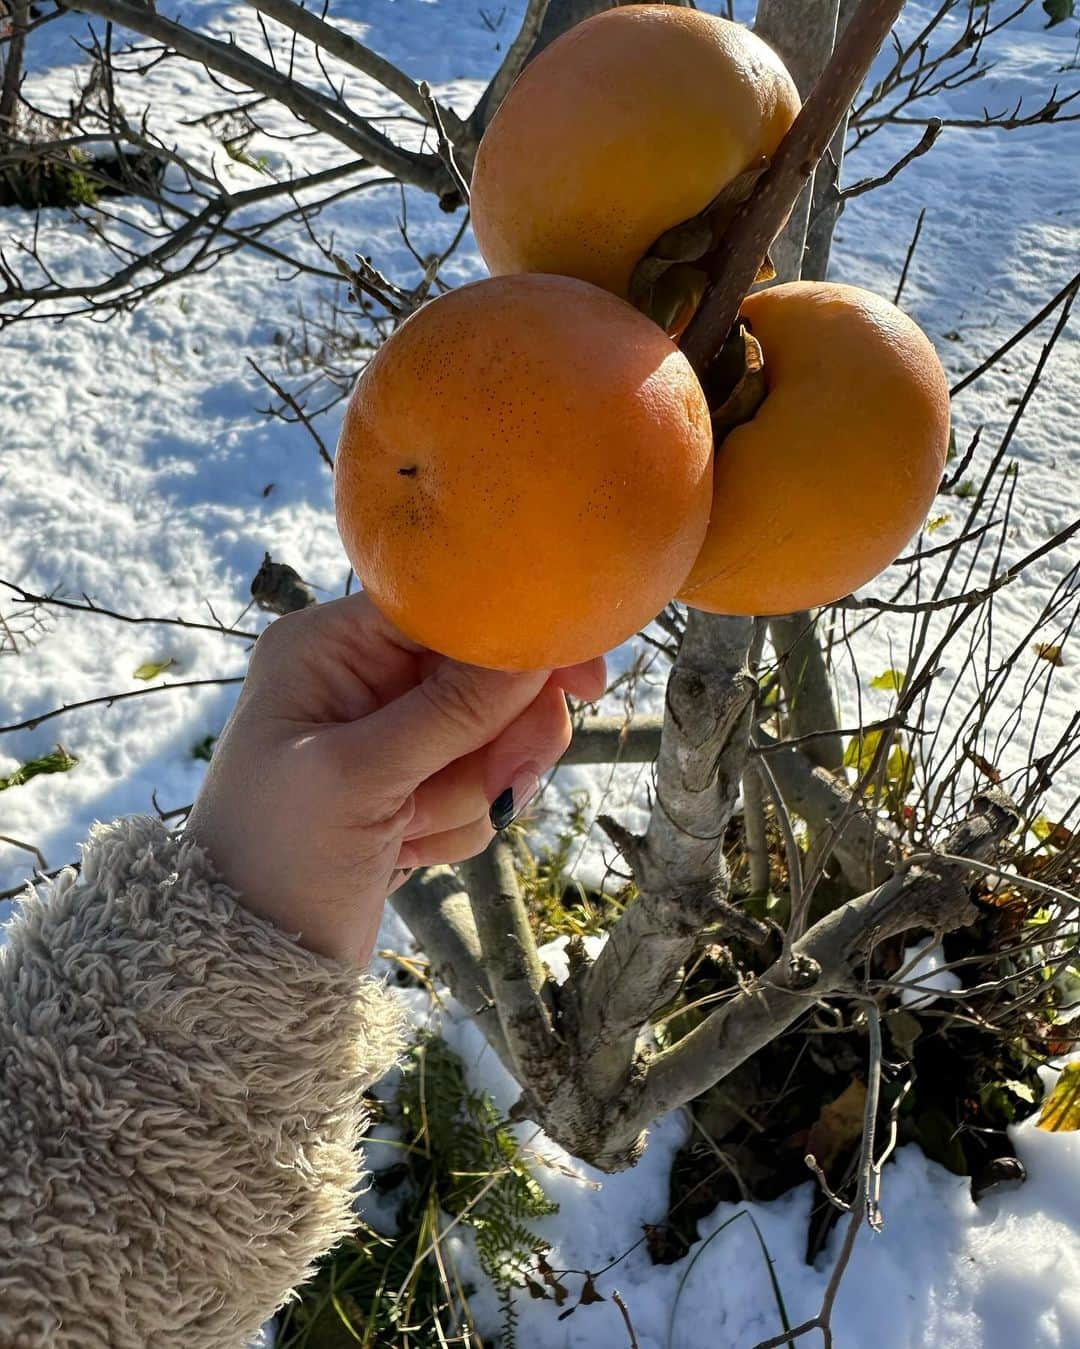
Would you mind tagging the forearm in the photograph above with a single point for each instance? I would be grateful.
(180, 1100)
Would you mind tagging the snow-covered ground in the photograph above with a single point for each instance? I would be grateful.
(136, 467)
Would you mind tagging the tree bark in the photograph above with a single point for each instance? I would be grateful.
(807, 685)
(825, 206)
(11, 60)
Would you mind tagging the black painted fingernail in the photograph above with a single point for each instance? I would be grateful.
(512, 800)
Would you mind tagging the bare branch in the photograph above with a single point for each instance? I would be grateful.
(512, 966)
(301, 415)
(614, 740)
(1066, 293)
(512, 65)
(334, 118)
(745, 243)
(107, 700)
(925, 143)
(89, 607)
(445, 148)
(353, 53)
(823, 961)
(969, 598)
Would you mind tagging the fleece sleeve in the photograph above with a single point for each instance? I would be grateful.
(180, 1104)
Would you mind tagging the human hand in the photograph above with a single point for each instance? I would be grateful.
(354, 754)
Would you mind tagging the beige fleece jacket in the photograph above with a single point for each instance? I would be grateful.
(180, 1103)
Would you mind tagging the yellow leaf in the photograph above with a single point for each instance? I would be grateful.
(891, 679)
(936, 521)
(1061, 1109)
(152, 668)
(1049, 652)
(861, 749)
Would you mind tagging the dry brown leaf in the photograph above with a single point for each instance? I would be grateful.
(839, 1126)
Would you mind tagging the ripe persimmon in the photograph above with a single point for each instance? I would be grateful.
(630, 123)
(524, 472)
(826, 484)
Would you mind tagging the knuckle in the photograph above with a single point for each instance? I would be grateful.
(457, 697)
(275, 638)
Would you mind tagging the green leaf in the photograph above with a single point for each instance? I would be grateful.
(893, 680)
(204, 748)
(58, 761)
(150, 669)
(1058, 11)
(1061, 1109)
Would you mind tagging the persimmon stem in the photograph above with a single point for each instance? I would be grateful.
(735, 262)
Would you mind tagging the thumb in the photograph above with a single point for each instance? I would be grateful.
(455, 711)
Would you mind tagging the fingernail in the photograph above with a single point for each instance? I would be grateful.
(512, 800)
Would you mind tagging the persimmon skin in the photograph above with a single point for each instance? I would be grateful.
(626, 125)
(826, 485)
(524, 474)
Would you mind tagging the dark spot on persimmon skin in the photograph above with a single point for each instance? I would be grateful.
(410, 471)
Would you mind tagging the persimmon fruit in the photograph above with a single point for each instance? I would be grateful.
(835, 472)
(524, 474)
(626, 125)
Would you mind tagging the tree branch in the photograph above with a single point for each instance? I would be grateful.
(353, 53)
(614, 740)
(746, 242)
(107, 700)
(435, 907)
(333, 118)
(89, 607)
(679, 865)
(512, 966)
(512, 65)
(823, 960)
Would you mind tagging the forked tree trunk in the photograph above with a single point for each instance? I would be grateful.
(581, 1049)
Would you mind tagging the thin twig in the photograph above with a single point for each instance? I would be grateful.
(908, 256)
(26, 847)
(971, 598)
(108, 699)
(929, 136)
(445, 149)
(1066, 292)
(617, 1298)
(89, 607)
(301, 416)
(797, 920)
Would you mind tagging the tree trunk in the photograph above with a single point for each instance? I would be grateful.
(825, 206)
(12, 61)
(803, 33)
(807, 685)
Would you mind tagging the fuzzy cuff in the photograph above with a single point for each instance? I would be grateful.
(180, 1103)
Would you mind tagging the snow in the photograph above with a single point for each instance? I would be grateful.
(923, 974)
(135, 466)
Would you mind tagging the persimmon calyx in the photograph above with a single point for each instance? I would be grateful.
(737, 383)
(666, 285)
